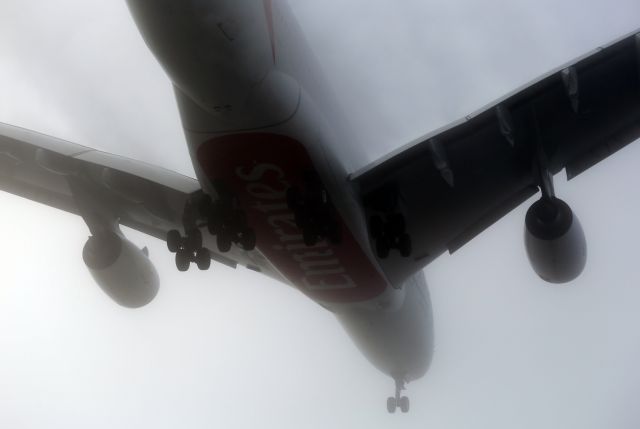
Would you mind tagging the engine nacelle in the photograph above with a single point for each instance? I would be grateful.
(122, 271)
(554, 240)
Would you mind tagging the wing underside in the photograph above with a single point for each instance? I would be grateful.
(98, 185)
(452, 184)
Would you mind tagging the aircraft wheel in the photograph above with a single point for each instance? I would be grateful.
(203, 259)
(404, 245)
(223, 240)
(248, 239)
(194, 240)
(404, 404)
(173, 240)
(183, 260)
(391, 404)
(382, 248)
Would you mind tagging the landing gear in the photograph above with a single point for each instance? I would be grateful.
(188, 249)
(392, 404)
(203, 259)
(390, 233)
(387, 224)
(183, 260)
(398, 401)
(404, 404)
(222, 218)
(229, 224)
(173, 240)
(314, 212)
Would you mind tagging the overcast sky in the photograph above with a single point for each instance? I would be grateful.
(232, 349)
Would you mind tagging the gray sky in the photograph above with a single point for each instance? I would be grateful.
(231, 349)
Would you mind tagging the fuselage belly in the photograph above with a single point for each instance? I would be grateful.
(259, 118)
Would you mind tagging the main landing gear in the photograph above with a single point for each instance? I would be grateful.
(390, 233)
(188, 249)
(314, 213)
(229, 224)
(387, 224)
(398, 401)
(222, 218)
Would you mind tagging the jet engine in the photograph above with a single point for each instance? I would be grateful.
(554, 240)
(122, 271)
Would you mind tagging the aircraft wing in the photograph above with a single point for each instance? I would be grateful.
(454, 183)
(92, 184)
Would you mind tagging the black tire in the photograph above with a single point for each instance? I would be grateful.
(248, 239)
(309, 236)
(376, 226)
(391, 404)
(193, 242)
(203, 259)
(183, 260)
(382, 248)
(404, 245)
(173, 240)
(223, 240)
(404, 404)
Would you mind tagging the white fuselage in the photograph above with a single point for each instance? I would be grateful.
(258, 116)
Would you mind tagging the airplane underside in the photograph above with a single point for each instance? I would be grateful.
(278, 190)
(266, 156)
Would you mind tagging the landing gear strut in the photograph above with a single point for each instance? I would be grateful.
(398, 401)
(188, 249)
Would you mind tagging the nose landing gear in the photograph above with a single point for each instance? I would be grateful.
(398, 401)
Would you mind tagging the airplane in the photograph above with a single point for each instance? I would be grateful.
(275, 192)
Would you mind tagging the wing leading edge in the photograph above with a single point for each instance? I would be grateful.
(454, 183)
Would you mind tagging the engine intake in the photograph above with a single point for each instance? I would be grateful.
(554, 241)
(122, 271)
